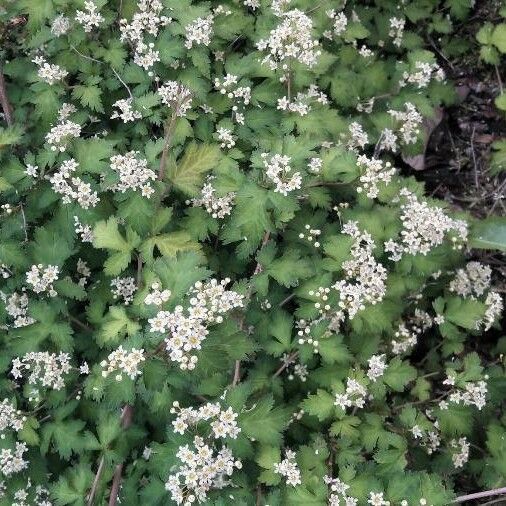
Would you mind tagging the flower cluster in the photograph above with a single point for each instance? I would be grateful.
(73, 188)
(289, 469)
(239, 94)
(42, 278)
(43, 367)
(89, 18)
(461, 454)
(12, 461)
(340, 23)
(494, 309)
(146, 21)
(205, 466)
(411, 121)
(354, 395)
(278, 171)
(471, 281)
(291, 40)
(217, 207)
(10, 418)
(50, 73)
(199, 32)
(375, 171)
(156, 296)
(339, 488)
(124, 288)
(225, 137)
(376, 499)
(364, 277)
(223, 423)
(311, 234)
(358, 138)
(84, 231)
(208, 302)
(61, 134)
(315, 165)
(424, 228)
(377, 366)
(17, 307)
(133, 173)
(123, 361)
(397, 30)
(301, 103)
(407, 333)
(474, 393)
(39, 497)
(422, 74)
(60, 25)
(125, 111)
(176, 96)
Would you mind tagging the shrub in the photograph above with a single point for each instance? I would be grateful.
(218, 286)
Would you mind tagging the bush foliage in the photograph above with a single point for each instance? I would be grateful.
(217, 285)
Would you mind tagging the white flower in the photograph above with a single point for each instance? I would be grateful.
(377, 367)
(126, 113)
(278, 170)
(176, 96)
(49, 73)
(199, 32)
(60, 25)
(42, 278)
(45, 368)
(89, 18)
(288, 468)
(133, 173)
(126, 362)
(217, 207)
(124, 288)
(291, 40)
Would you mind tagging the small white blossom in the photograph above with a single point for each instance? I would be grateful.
(133, 173)
(124, 288)
(60, 25)
(123, 361)
(288, 469)
(41, 278)
(45, 368)
(89, 18)
(49, 73)
(176, 96)
(279, 172)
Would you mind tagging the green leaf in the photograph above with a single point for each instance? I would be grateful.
(116, 325)
(264, 422)
(498, 37)
(320, 404)
(489, 233)
(398, 374)
(168, 244)
(198, 159)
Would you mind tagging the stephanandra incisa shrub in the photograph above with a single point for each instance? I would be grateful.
(217, 287)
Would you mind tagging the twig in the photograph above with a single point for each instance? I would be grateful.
(96, 481)
(499, 80)
(102, 63)
(79, 323)
(480, 495)
(166, 145)
(24, 221)
(237, 373)
(126, 421)
(286, 299)
(4, 100)
(286, 363)
(476, 182)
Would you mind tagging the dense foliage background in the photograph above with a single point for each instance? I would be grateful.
(220, 282)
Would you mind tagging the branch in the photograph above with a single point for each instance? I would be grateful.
(480, 495)
(286, 363)
(126, 421)
(166, 145)
(96, 481)
(4, 100)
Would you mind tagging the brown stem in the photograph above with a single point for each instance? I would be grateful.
(79, 323)
(96, 481)
(4, 100)
(480, 495)
(237, 373)
(286, 363)
(126, 421)
(169, 130)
